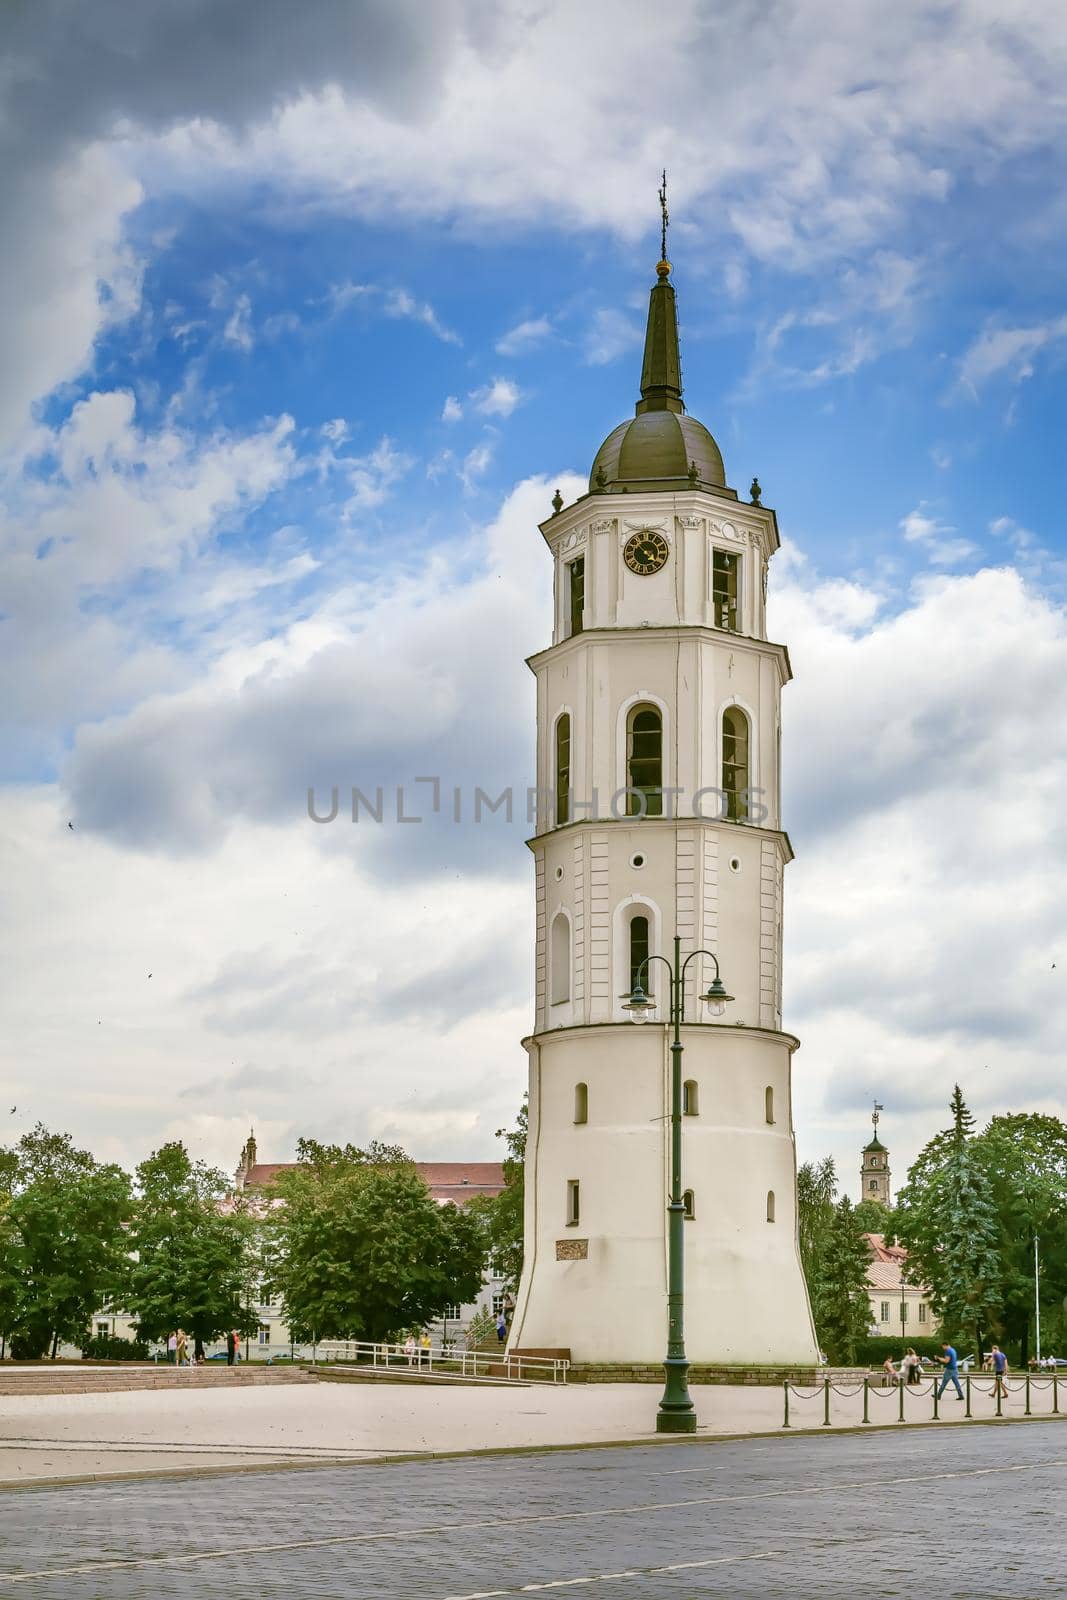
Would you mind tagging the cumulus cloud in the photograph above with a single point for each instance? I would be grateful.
(452, 410)
(935, 537)
(496, 399)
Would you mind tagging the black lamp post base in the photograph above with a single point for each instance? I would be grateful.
(676, 1422)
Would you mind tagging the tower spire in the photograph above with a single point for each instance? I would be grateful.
(661, 369)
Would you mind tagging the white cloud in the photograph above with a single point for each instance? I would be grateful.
(373, 476)
(395, 301)
(935, 537)
(1011, 350)
(238, 329)
(525, 336)
(475, 465)
(451, 411)
(496, 399)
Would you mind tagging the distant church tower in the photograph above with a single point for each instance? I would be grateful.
(874, 1172)
(658, 739)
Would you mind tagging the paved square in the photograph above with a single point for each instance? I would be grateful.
(965, 1513)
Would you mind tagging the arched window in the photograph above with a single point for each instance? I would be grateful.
(639, 954)
(560, 959)
(688, 1205)
(768, 1104)
(644, 762)
(690, 1098)
(581, 1102)
(873, 1185)
(563, 768)
(735, 780)
(770, 1205)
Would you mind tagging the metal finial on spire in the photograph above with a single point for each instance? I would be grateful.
(664, 222)
(875, 1114)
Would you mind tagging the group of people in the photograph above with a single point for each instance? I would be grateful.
(418, 1350)
(911, 1367)
(178, 1348)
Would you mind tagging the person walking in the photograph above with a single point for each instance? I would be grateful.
(1000, 1372)
(232, 1340)
(951, 1374)
(501, 1328)
(172, 1348)
(409, 1349)
(181, 1349)
(425, 1345)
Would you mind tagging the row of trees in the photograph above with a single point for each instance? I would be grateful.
(973, 1205)
(356, 1248)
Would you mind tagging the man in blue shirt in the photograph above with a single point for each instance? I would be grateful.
(951, 1374)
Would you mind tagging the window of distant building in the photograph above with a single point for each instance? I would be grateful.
(885, 1311)
(574, 1202)
(735, 780)
(724, 572)
(688, 1205)
(644, 762)
(576, 593)
(690, 1098)
(581, 1102)
(563, 768)
(770, 1205)
(264, 1333)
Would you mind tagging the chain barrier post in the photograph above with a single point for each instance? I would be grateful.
(934, 1387)
(1055, 1394)
(785, 1387)
(900, 1386)
(1000, 1397)
(967, 1380)
(1026, 1413)
(866, 1399)
(826, 1402)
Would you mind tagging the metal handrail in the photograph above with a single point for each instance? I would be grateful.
(464, 1363)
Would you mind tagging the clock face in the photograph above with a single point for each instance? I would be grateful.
(645, 552)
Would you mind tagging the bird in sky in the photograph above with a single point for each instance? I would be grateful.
(149, 974)
(13, 1110)
(70, 825)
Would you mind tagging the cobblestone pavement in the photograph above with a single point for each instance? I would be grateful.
(974, 1513)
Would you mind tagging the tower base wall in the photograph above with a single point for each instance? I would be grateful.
(598, 1284)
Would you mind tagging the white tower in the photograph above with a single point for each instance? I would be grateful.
(658, 741)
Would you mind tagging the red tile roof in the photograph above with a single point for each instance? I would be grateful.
(446, 1180)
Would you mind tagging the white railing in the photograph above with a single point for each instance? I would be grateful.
(445, 1359)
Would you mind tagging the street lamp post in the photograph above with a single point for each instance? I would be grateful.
(676, 1413)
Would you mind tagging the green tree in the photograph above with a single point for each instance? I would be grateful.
(362, 1250)
(190, 1267)
(842, 1308)
(947, 1219)
(816, 1190)
(65, 1251)
(873, 1217)
(502, 1215)
(1024, 1155)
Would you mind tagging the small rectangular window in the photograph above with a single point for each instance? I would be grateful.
(922, 1312)
(265, 1293)
(903, 1311)
(498, 1305)
(724, 572)
(264, 1333)
(452, 1313)
(574, 1202)
(103, 1330)
(576, 593)
(885, 1311)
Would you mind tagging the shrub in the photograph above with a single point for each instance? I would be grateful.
(106, 1347)
(27, 1345)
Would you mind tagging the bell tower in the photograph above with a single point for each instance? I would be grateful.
(658, 743)
(874, 1169)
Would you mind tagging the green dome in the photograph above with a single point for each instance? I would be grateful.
(655, 450)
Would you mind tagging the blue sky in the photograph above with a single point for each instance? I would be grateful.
(305, 320)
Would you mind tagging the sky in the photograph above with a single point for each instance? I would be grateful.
(306, 312)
